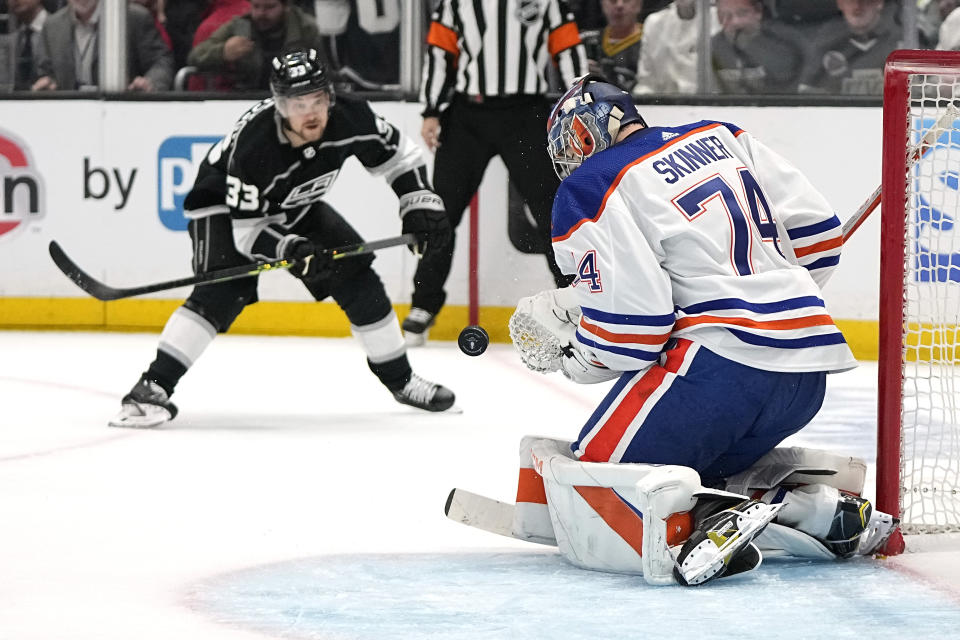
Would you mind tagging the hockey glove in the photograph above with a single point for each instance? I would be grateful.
(307, 263)
(423, 214)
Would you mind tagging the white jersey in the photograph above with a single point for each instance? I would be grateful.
(668, 57)
(699, 231)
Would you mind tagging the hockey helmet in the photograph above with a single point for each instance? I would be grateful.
(299, 72)
(587, 120)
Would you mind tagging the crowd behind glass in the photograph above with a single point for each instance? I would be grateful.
(650, 47)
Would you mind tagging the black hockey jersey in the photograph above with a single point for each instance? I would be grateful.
(257, 177)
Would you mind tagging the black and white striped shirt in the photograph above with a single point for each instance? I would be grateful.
(498, 48)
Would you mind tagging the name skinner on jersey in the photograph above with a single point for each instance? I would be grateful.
(690, 157)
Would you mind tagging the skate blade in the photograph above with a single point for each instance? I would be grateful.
(750, 526)
(125, 420)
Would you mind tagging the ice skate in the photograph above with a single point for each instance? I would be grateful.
(416, 326)
(147, 405)
(721, 544)
(852, 518)
(879, 529)
(424, 394)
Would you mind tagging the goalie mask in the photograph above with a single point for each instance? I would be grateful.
(587, 120)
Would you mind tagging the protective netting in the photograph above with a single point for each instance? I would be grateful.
(930, 433)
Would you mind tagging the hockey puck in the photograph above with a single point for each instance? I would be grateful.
(473, 340)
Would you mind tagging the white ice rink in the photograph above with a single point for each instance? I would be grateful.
(293, 498)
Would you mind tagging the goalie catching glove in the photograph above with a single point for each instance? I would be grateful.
(423, 215)
(543, 329)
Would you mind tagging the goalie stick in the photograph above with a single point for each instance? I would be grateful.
(105, 292)
(915, 153)
(480, 512)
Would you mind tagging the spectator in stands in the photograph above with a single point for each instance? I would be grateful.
(367, 44)
(949, 33)
(801, 13)
(614, 51)
(155, 7)
(243, 47)
(587, 14)
(751, 54)
(848, 53)
(28, 18)
(668, 59)
(181, 20)
(69, 55)
(220, 12)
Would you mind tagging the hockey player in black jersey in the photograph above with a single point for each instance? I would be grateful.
(259, 195)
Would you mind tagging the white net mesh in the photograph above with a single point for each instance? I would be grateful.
(930, 436)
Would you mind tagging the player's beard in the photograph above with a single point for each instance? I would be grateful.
(306, 133)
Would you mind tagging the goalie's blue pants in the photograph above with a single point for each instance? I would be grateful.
(697, 409)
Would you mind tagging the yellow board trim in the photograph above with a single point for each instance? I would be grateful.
(287, 318)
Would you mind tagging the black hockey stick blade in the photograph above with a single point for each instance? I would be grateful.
(106, 293)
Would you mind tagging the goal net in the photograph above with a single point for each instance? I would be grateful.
(918, 458)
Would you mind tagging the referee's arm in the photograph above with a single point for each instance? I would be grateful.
(564, 43)
(439, 69)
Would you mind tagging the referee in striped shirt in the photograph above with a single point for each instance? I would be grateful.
(485, 93)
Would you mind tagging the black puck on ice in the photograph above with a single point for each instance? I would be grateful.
(473, 340)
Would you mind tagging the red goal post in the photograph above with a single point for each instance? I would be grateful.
(918, 444)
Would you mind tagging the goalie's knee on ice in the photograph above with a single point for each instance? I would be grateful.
(604, 516)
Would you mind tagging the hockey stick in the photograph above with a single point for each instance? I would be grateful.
(104, 292)
(915, 153)
(481, 512)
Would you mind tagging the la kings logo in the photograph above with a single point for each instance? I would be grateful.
(310, 191)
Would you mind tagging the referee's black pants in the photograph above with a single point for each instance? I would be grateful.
(471, 134)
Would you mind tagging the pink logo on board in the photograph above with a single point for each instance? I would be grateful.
(21, 185)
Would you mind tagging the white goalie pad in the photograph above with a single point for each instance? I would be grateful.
(613, 517)
(531, 517)
(800, 466)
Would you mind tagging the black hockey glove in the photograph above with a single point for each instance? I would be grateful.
(308, 264)
(431, 227)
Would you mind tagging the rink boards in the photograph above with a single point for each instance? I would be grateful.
(112, 196)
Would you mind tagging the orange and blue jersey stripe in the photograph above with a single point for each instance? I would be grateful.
(640, 337)
(810, 327)
(817, 246)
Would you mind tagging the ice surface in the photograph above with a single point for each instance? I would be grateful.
(294, 498)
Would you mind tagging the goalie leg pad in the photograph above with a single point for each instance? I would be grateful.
(531, 516)
(799, 466)
(615, 517)
(711, 552)
(836, 519)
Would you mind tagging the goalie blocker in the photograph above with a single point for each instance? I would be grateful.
(659, 521)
